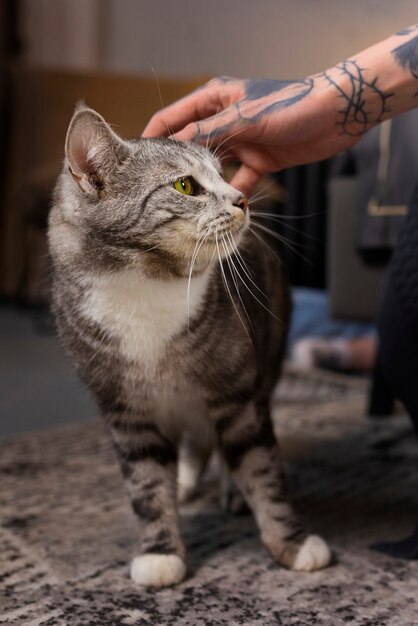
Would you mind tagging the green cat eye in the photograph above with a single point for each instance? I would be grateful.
(184, 185)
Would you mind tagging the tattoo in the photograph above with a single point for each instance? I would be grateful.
(268, 91)
(364, 102)
(407, 56)
(226, 79)
(255, 89)
(267, 96)
(406, 31)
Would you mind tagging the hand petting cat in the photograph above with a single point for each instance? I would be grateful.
(269, 125)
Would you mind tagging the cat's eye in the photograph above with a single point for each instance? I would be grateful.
(184, 185)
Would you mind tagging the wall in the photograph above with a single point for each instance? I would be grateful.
(62, 33)
(277, 38)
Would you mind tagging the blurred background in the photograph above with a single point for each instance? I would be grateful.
(109, 53)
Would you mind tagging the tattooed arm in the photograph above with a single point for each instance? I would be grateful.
(271, 124)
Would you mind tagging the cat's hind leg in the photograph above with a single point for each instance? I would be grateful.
(251, 451)
(149, 463)
(193, 459)
(230, 497)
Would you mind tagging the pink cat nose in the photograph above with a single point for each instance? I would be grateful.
(242, 204)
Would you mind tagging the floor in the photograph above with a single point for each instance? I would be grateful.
(67, 531)
(38, 388)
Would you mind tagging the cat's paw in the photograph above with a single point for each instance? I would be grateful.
(313, 554)
(185, 493)
(158, 570)
(187, 480)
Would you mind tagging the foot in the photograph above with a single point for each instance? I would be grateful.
(313, 554)
(158, 570)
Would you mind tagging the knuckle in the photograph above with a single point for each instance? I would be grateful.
(155, 118)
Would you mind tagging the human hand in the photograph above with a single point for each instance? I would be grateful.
(267, 125)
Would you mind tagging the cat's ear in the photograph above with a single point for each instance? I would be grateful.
(92, 149)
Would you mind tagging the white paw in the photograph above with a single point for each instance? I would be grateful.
(187, 481)
(158, 570)
(313, 554)
(185, 493)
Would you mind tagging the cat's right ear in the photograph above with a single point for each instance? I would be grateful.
(92, 149)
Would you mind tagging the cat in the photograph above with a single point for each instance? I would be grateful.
(176, 349)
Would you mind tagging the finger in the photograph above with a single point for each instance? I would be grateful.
(199, 104)
(245, 180)
(189, 133)
(202, 131)
(215, 130)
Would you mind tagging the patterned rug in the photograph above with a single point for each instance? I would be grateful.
(67, 532)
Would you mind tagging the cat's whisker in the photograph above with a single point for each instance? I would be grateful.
(233, 269)
(248, 276)
(283, 222)
(228, 138)
(264, 243)
(259, 199)
(258, 300)
(212, 258)
(237, 252)
(255, 196)
(200, 241)
(189, 285)
(289, 217)
(169, 130)
(221, 155)
(209, 146)
(282, 239)
(225, 281)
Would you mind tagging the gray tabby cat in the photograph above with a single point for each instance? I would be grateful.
(142, 236)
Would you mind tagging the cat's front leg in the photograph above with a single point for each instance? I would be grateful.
(252, 454)
(149, 465)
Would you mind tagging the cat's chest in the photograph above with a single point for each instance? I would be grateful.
(143, 314)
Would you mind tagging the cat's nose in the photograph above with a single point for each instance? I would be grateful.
(242, 203)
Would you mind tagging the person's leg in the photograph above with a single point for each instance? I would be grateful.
(398, 352)
(398, 317)
(398, 334)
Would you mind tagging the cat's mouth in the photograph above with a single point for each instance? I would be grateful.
(234, 228)
(226, 234)
(220, 239)
(225, 240)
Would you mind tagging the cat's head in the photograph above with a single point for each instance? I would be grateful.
(157, 203)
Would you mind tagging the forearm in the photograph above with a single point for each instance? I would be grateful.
(269, 125)
(373, 85)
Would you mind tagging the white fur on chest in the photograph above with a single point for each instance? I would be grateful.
(144, 314)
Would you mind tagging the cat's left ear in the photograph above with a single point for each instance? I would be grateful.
(92, 149)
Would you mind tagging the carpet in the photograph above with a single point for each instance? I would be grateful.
(67, 531)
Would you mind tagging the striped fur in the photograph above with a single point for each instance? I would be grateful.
(165, 334)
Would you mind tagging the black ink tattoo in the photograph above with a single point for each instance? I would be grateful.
(406, 31)
(226, 79)
(407, 56)
(364, 102)
(273, 100)
(267, 96)
(255, 89)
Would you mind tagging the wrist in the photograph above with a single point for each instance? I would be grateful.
(366, 89)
